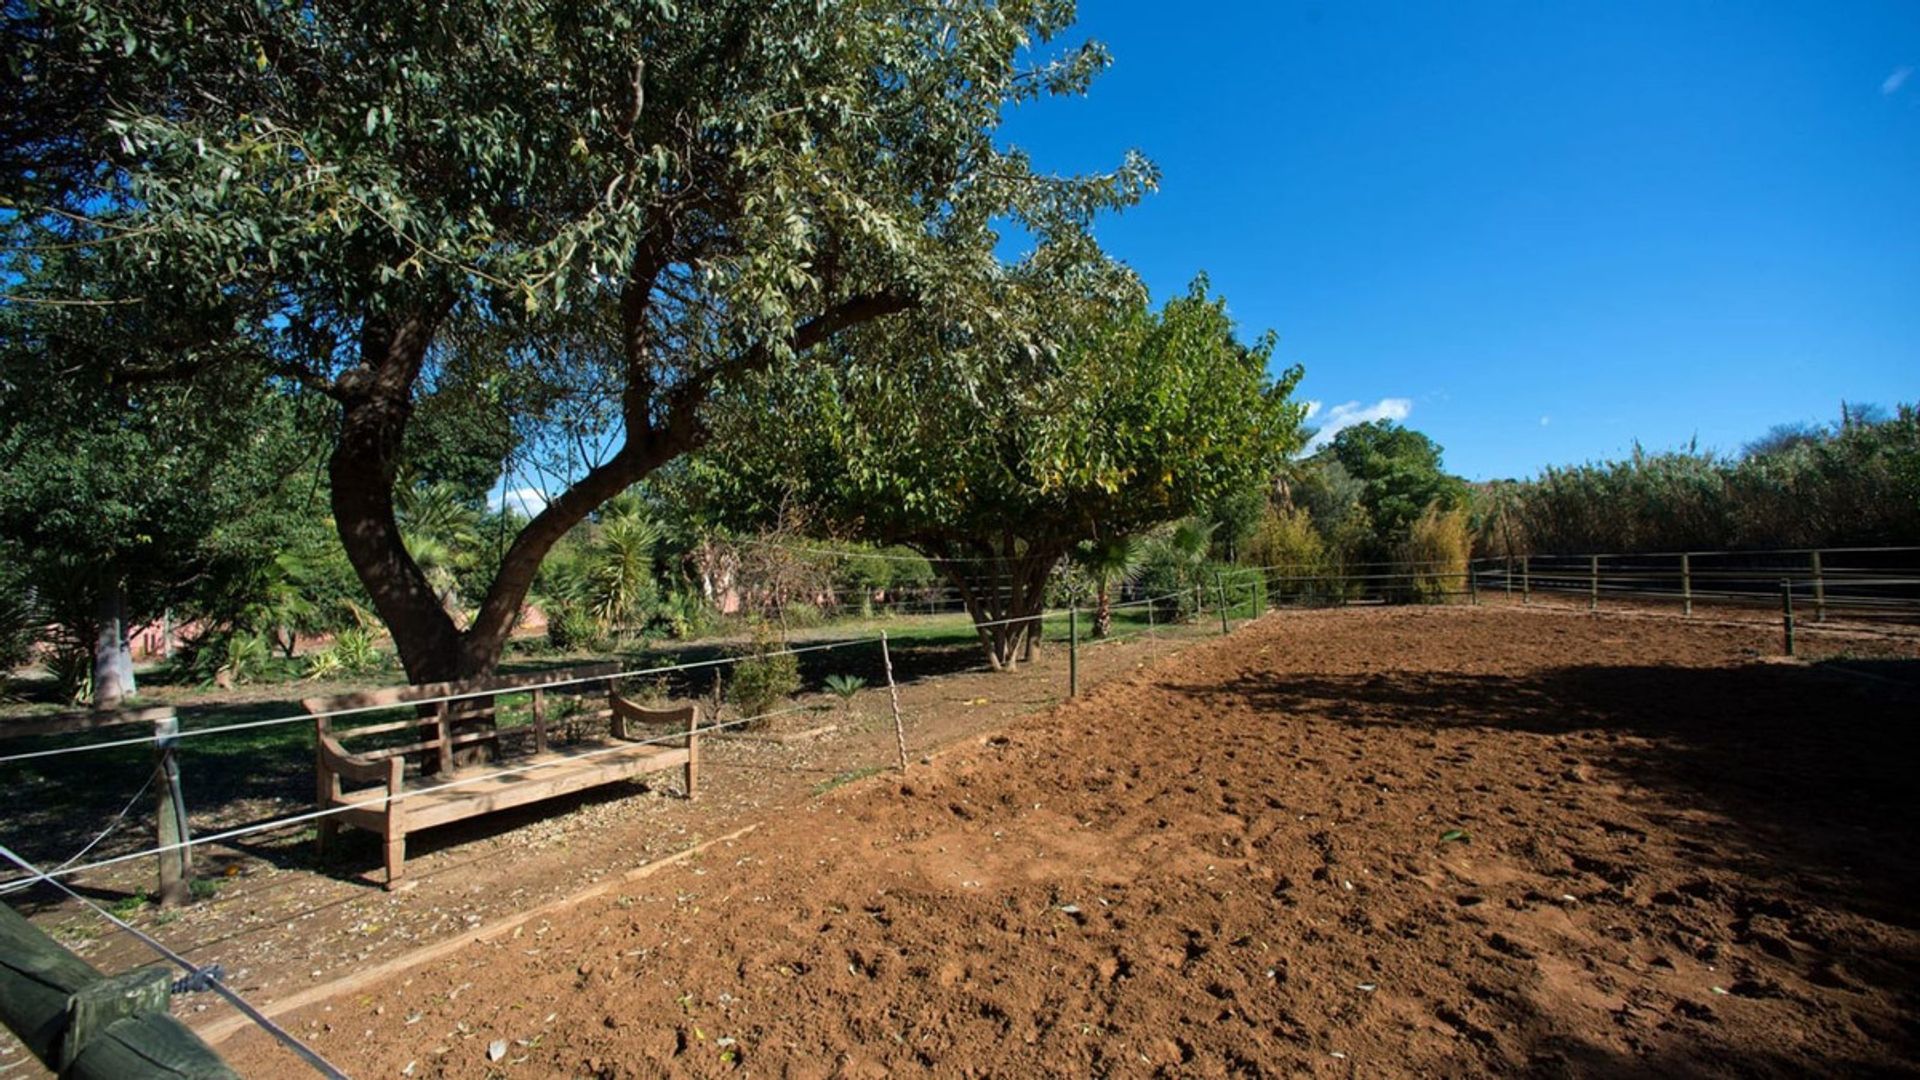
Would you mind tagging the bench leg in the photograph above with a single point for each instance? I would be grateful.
(693, 773)
(324, 835)
(396, 844)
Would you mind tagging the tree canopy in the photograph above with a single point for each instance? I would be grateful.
(595, 213)
(1129, 418)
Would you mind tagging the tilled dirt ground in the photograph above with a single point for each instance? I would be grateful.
(1434, 841)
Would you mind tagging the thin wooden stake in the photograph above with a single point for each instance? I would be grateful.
(1686, 584)
(1526, 579)
(893, 691)
(1073, 650)
(1593, 583)
(1220, 587)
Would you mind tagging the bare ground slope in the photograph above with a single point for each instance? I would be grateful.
(1677, 859)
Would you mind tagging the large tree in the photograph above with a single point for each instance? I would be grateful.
(1104, 419)
(608, 208)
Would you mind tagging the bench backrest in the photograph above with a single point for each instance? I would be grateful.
(475, 699)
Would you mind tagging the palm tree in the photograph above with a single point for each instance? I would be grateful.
(1116, 560)
(442, 532)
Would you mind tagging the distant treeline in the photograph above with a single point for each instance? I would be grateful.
(1851, 484)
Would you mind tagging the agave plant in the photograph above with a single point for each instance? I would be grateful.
(846, 688)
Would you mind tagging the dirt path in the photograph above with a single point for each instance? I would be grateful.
(1677, 859)
(282, 923)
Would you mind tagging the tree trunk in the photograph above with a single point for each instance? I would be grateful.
(1103, 611)
(1004, 594)
(112, 658)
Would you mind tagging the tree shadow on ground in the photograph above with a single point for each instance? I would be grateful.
(1809, 776)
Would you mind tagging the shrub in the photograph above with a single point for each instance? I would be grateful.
(572, 628)
(71, 665)
(764, 677)
(1435, 554)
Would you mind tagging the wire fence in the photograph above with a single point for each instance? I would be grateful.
(1833, 589)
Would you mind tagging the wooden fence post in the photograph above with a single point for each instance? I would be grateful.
(83, 1025)
(1473, 587)
(1220, 590)
(1526, 579)
(1593, 583)
(1509, 577)
(893, 690)
(1819, 591)
(1786, 612)
(1073, 650)
(176, 860)
(1686, 584)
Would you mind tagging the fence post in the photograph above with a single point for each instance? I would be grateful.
(1526, 579)
(893, 690)
(83, 1025)
(1073, 650)
(1220, 589)
(1151, 603)
(176, 860)
(1686, 584)
(1509, 577)
(1593, 583)
(1473, 587)
(1819, 591)
(1786, 612)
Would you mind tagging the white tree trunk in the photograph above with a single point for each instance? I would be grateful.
(112, 656)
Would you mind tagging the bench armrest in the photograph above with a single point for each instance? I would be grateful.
(626, 712)
(360, 768)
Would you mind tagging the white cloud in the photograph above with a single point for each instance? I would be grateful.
(1892, 83)
(1313, 409)
(1545, 420)
(528, 501)
(1341, 417)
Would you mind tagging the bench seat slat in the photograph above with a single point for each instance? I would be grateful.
(552, 779)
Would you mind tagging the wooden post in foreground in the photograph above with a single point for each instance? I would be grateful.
(1526, 579)
(1593, 583)
(83, 1025)
(176, 860)
(1686, 584)
(893, 690)
(1473, 586)
(1220, 589)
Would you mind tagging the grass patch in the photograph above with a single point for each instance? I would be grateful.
(848, 777)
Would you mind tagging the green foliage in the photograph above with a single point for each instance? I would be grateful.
(352, 652)
(1853, 484)
(1435, 555)
(1400, 476)
(1100, 419)
(1174, 563)
(571, 627)
(1304, 566)
(71, 665)
(684, 614)
(533, 230)
(845, 687)
(765, 676)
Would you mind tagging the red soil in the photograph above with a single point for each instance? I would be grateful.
(1394, 842)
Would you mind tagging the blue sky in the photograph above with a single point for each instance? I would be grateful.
(1537, 232)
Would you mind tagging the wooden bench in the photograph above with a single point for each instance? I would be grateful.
(378, 775)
